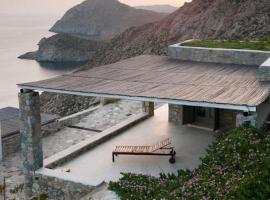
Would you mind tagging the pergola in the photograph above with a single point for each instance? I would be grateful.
(148, 79)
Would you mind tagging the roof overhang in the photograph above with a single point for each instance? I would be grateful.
(146, 99)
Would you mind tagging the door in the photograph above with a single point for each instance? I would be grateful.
(204, 117)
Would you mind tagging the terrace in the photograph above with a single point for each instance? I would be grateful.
(190, 144)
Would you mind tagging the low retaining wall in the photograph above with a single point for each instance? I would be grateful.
(60, 186)
(218, 55)
(11, 144)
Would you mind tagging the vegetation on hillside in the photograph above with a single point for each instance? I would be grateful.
(262, 44)
(237, 166)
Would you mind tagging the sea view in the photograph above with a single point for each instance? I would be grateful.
(19, 34)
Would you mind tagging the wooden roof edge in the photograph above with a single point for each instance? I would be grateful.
(250, 108)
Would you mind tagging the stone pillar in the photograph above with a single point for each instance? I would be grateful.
(149, 107)
(30, 128)
(176, 113)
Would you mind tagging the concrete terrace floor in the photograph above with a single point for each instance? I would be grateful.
(190, 144)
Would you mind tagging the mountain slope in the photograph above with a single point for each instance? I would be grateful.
(102, 19)
(217, 19)
(64, 48)
(159, 8)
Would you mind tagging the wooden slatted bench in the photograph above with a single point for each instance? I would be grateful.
(159, 149)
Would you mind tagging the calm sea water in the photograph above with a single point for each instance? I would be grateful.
(20, 34)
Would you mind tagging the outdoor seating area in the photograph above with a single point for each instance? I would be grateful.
(189, 143)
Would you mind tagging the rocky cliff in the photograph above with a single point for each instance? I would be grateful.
(65, 48)
(102, 19)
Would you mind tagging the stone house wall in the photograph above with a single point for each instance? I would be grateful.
(176, 113)
(226, 118)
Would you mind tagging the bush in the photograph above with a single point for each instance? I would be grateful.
(236, 167)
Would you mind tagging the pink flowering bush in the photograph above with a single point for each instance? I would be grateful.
(237, 166)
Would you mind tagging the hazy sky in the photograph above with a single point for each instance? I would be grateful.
(58, 7)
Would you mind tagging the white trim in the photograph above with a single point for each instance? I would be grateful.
(148, 99)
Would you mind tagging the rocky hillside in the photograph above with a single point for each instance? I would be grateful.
(102, 19)
(217, 19)
(64, 48)
(159, 8)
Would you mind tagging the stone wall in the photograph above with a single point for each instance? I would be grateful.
(60, 186)
(214, 55)
(264, 71)
(227, 119)
(11, 144)
(176, 113)
(263, 112)
(180, 114)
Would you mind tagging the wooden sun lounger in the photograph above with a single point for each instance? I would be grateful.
(159, 149)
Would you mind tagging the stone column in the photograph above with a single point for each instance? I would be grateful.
(176, 113)
(149, 107)
(30, 128)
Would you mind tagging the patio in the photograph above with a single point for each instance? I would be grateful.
(190, 144)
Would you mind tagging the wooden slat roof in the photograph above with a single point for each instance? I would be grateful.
(10, 122)
(162, 78)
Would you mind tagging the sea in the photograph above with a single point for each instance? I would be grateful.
(20, 34)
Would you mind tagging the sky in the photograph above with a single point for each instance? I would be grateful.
(58, 7)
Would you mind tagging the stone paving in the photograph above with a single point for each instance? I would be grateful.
(101, 119)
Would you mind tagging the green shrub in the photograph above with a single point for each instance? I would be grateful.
(262, 44)
(236, 167)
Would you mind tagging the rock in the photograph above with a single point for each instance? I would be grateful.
(64, 48)
(29, 55)
(102, 19)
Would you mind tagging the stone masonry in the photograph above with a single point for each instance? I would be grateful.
(148, 107)
(214, 55)
(30, 128)
(175, 113)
